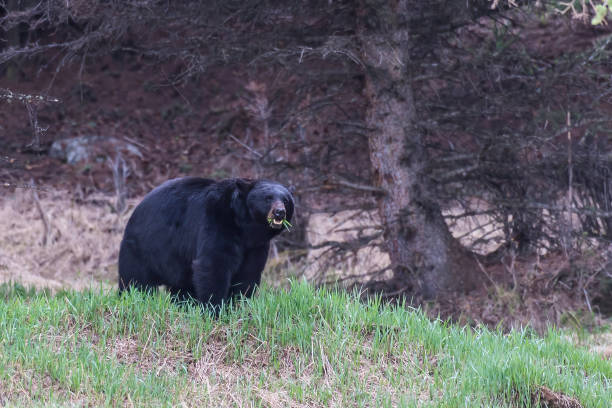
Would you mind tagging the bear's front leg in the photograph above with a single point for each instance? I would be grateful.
(212, 277)
(248, 276)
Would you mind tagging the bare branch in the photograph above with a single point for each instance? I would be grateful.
(255, 152)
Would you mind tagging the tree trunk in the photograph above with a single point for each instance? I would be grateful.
(426, 259)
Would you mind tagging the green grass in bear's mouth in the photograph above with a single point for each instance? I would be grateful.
(285, 223)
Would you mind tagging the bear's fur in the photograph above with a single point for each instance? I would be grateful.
(203, 238)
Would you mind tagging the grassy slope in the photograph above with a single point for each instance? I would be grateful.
(302, 347)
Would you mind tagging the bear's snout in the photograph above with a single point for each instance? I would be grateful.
(277, 214)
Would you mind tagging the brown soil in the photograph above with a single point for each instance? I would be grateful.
(551, 399)
(531, 291)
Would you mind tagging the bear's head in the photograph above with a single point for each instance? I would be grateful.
(271, 203)
(268, 203)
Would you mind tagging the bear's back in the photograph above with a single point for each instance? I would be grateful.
(168, 202)
(183, 186)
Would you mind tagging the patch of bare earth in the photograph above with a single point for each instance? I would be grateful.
(548, 398)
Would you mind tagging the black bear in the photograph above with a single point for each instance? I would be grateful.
(203, 238)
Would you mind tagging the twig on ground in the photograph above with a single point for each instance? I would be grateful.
(43, 216)
(586, 297)
(482, 268)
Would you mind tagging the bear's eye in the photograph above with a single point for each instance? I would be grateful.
(269, 197)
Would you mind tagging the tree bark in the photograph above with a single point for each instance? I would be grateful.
(426, 259)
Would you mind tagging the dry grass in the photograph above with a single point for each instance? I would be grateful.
(219, 382)
(217, 378)
(82, 246)
(602, 344)
(13, 389)
(25, 386)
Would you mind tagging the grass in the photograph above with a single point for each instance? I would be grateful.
(285, 348)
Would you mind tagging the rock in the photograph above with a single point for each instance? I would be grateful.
(85, 148)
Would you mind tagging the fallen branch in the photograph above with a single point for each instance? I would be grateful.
(43, 217)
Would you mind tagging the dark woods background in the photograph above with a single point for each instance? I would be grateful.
(420, 115)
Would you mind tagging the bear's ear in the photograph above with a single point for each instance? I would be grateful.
(238, 204)
(239, 196)
(244, 186)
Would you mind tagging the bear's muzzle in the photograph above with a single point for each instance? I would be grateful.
(277, 214)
